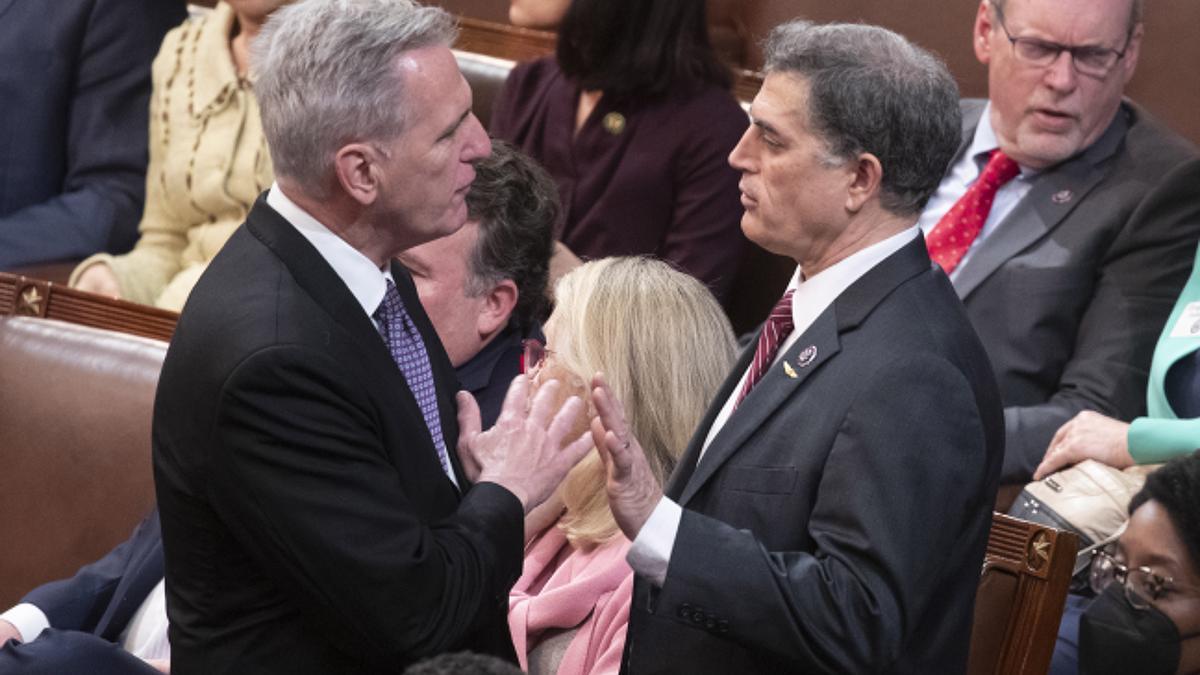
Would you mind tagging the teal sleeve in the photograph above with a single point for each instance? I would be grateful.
(1157, 440)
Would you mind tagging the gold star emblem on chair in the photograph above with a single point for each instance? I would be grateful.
(31, 302)
(1039, 551)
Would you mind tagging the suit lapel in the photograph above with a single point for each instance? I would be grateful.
(319, 281)
(768, 395)
(1055, 193)
(820, 343)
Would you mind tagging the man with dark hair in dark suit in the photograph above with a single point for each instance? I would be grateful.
(831, 512)
(485, 286)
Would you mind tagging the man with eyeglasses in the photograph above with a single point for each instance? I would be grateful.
(1068, 220)
(1145, 617)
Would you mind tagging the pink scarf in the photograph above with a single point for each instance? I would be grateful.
(562, 588)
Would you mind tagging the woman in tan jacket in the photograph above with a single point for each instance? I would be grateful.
(208, 158)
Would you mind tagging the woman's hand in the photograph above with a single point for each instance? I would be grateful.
(1089, 435)
(99, 278)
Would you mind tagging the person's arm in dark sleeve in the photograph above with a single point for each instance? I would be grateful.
(107, 129)
(1139, 279)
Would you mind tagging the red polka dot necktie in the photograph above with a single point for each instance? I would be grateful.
(779, 325)
(950, 239)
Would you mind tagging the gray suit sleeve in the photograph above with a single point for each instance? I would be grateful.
(1137, 281)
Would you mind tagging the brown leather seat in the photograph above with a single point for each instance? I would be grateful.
(1020, 598)
(75, 411)
(486, 75)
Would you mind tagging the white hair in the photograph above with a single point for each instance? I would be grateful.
(326, 75)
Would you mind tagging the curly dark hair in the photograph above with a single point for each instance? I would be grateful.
(1177, 487)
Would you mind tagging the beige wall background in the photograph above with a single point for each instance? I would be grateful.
(1167, 81)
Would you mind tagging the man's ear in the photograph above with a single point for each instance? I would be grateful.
(981, 37)
(497, 308)
(865, 182)
(355, 166)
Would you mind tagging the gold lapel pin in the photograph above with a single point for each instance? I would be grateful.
(789, 370)
(614, 123)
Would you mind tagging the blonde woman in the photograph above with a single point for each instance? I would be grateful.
(665, 346)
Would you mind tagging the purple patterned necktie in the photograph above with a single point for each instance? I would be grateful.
(408, 350)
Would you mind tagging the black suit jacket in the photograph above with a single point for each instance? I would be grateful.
(1071, 290)
(837, 522)
(74, 122)
(307, 523)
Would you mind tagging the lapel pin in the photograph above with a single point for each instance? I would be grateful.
(806, 356)
(789, 370)
(1062, 196)
(614, 123)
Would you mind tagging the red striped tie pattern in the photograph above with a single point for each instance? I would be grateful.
(779, 326)
(950, 239)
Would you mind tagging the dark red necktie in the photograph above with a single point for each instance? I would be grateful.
(779, 325)
(950, 239)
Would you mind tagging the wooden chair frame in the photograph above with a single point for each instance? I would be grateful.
(24, 296)
(1026, 571)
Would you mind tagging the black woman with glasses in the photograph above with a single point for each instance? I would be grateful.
(1068, 220)
(1145, 618)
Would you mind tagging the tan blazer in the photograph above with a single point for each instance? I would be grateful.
(208, 163)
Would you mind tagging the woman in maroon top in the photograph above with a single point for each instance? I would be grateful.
(634, 119)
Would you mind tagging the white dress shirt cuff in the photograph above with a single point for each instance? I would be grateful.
(28, 619)
(650, 554)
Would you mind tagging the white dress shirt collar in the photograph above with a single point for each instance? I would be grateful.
(813, 296)
(367, 283)
(985, 141)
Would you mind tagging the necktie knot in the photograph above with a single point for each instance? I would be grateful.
(950, 239)
(1000, 169)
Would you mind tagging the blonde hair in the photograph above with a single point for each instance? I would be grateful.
(665, 346)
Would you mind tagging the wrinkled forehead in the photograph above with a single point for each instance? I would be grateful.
(1071, 22)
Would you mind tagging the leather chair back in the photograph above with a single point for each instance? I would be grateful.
(75, 477)
(486, 75)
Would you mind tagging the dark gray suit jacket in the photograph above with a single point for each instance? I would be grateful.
(1071, 290)
(837, 522)
(307, 523)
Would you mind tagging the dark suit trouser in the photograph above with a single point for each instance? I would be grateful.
(64, 652)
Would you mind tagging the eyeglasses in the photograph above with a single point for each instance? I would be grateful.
(1142, 585)
(1088, 59)
(534, 355)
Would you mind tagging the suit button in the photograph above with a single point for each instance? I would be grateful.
(711, 624)
(722, 626)
(685, 611)
(698, 618)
